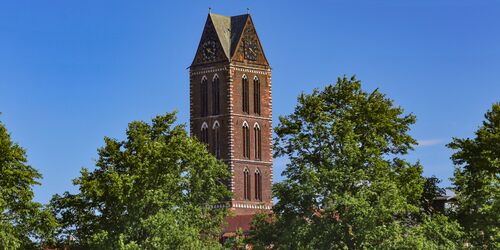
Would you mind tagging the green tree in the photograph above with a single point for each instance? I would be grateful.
(431, 191)
(237, 241)
(154, 190)
(347, 185)
(24, 224)
(477, 181)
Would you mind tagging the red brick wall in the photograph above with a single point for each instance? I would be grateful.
(231, 138)
(197, 120)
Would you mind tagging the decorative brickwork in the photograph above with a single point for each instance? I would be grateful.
(231, 49)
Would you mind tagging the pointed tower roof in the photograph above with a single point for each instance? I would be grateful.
(229, 30)
(229, 33)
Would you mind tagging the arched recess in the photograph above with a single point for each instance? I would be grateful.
(244, 93)
(258, 185)
(246, 140)
(257, 141)
(215, 95)
(216, 139)
(204, 133)
(246, 184)
(204, 96)
(256, 95)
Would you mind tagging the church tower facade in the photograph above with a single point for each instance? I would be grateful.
(231, 107)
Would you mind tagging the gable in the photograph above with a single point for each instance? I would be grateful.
(232, 36)
(248, 48)
(212, 37)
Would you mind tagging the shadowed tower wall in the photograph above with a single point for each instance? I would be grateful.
(231, 107)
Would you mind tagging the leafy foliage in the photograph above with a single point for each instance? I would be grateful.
(24, 224)
(237, 241)
(431, 191)
(346, 185)
(154, 190)
(477, 181)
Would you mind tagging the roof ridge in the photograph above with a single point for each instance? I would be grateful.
(229, 30)
(216, 14)
(237, 25)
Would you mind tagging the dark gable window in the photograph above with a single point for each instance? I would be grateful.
(256, 95)
(204, 97)
(215, 95)
(244, 88)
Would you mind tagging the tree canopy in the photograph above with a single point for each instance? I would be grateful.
(24, 224)
(347, 184)
(477, 181)
(154, 190)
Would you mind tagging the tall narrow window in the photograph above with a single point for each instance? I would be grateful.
(215, 95)
(204, 97)
(244, 89)
(216, 140)
(258, 185)
(246, 184)
(246, 141)
(256, 95)
(204, 133)
(257, 141)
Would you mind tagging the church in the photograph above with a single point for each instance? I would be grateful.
(231, 111)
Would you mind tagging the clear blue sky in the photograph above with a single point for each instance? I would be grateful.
(72, 72)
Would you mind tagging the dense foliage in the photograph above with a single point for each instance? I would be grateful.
(431, 191)
(154, 190)
(24, 224)
(347, 184)
(477, 182)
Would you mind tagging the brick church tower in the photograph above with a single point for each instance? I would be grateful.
(230, 109)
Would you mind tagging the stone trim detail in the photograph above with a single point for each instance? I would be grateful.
(221, 205)
(252, 161)
(242, 205)
(253, 71)
(230, 125)
(269, 86)
(235, 115)
(251, 206)
(207, 71)
(263, 70)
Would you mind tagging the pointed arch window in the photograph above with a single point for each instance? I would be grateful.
(204, 96)
(258, 185)
(257, 142)
(216, 139)
(244, 89)
(215, 95)
(246, 184)
(246, 141)
(256, 95)
(204, 133)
